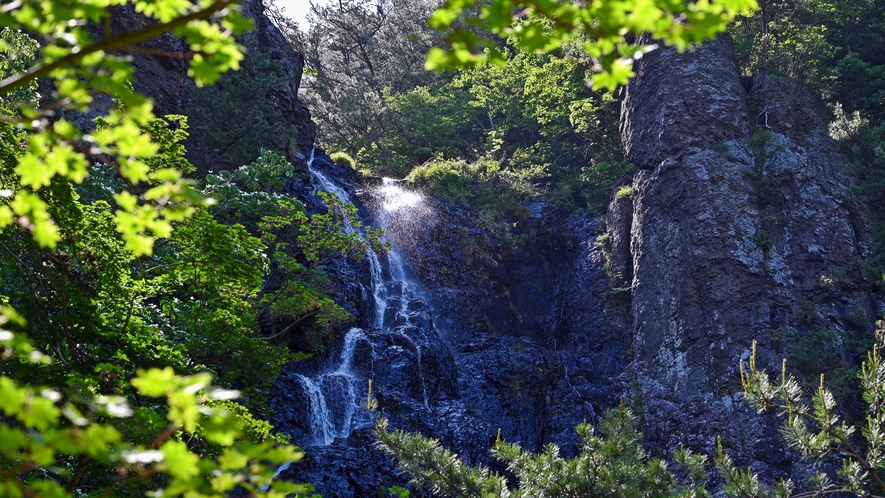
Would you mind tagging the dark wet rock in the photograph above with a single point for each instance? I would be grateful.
(351, 468)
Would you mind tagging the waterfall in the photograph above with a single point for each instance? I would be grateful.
(321, 424)
(336, 396)
(394, 201)
(379, 290)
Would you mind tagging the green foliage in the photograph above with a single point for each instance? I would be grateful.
(343, 158)
(359, 53)
(250, 192)
(605, 30)
(421, 123)
(237, 117)
(767, 190)
(611, 463)
(604, 242)
(191, 305)
(528, 123)
(863, 143)
(816, 430)
(49, 442)
(400, 492)
(300, 245)
(80, 66)
(817, 350)
(744, 483)
(531, 127)
(105, 311)
(481, 184)
(832, 46)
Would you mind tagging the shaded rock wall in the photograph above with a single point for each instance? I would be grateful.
(538, 341)
(165, 79)
(677, 101)
(734, 228)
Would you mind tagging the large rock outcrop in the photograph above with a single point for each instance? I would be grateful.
(164, 78)
(737, 231)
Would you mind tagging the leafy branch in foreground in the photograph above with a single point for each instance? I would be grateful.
(82, 69)
(47, 442)
(605, 29)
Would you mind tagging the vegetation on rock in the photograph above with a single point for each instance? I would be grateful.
(117, 267)
(125, 291)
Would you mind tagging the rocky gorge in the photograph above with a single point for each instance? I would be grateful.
(737, 223)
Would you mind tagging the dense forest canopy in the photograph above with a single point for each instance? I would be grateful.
(127, 293)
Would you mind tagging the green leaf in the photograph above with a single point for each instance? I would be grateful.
(225, 482)
(178, 461)
(12, 397)
(40, 413)
(97, 438)
(221, 429)
(156, 382)
(232, 459)
(33, 172)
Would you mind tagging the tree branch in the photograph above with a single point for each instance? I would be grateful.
(125, 40)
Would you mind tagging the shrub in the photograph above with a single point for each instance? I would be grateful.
(612, 462)
(343, 158)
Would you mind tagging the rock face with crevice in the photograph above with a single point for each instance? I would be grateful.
(164, 77)
(735, 229)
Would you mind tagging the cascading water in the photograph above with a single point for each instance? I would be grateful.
(394, 202)
(379, 290)
(335, 397)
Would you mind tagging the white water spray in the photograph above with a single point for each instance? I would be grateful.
(336, 397)
(379, 290)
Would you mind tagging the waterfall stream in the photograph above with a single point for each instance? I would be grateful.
(379, 289)
(336, 397)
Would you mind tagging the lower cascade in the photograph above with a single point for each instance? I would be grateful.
(335, 398)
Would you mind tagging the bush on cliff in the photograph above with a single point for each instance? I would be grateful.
(611, 463)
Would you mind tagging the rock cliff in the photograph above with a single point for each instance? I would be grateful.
(739, 225)
(742, 226)
(165, 80)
